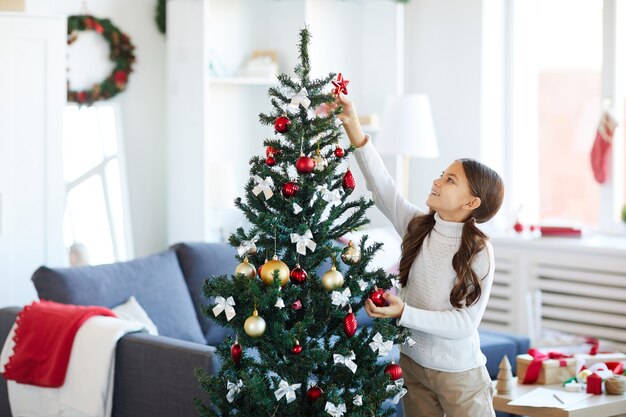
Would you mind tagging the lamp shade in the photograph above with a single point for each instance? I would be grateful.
(407, 127)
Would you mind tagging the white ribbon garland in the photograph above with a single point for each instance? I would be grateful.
(263, 185)
(335, 410)
(410, 342)
(383, 347)
(358, 400)
(287, 391)
(398, 384)
(341, 298)
(362, 284)
(298, 99)
(233, 390)
(331, 197)
(224, 304)
(296, 208)
(346, 360)
(247, 245)
(303, 241)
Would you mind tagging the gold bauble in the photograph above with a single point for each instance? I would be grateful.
(332, 279)
(254, 325)
(351, 255)
(267, 272)
(246, 268)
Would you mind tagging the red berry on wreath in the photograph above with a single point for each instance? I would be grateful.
(282, 124)
(290, 189)
(305, 165)
(298, 275)
(394, 371)
(339, 152)
(377, 297)
(313, 394)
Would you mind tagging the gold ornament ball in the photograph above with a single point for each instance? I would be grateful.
(267, 272)
(351, 255)
(246, 268)
(254, 325)
(332, 279)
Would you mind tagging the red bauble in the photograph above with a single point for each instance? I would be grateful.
(297, 348)
(339, 152)
(394, 371)
(270, 161)
(518, 227)
(349, 324)
(271, 150)
(298, 275)
(290, 189)
(377, 297)
(282, 124)
(348, 181)
(313, 394)
(235, 352)
(305, 165)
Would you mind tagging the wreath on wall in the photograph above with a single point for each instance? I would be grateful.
(121, 53)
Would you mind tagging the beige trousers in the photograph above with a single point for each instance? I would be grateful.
(452, 394)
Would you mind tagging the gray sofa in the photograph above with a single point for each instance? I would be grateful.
(154, 375)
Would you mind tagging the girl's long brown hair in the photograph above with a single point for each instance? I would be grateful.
(484, 183)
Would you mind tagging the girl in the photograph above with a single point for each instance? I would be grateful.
(446, 272)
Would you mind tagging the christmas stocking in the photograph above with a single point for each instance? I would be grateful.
(602, 146)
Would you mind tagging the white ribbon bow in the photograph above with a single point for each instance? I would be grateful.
(358, 400)
(296, 208)
(410, 342)
(233, 390)
(395, 283)
(331, 197)
(333, 410)
(247, 245)
(224, 304)
(300, 98)
(303, 241)
(383, 347)
(362, 285)
(346, 360)
(263, 185)
(398, 384)
(286, 390)
(279, 303)
(341, 298)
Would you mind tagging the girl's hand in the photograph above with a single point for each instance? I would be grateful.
(392, 311)
(350, 119)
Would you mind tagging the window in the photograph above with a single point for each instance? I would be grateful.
(96, 216)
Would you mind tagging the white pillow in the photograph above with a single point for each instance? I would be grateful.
(132, 311)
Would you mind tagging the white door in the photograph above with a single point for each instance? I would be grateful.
(32, 95)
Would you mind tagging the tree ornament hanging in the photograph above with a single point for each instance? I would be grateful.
(339, 152)
(313, 394)
(320, 162)
(351, 255)
(246, 268)
(305, 165)
(377, 297)
(332, 279)
(340, 85)
(254, 326)
(281, 125)
(349, 323)
(270, 161)
(236, 351)
(393, 370)
(121, 54)
(273, 151)
(290, 189)
(298, 275)
(267, 273)
(297, 348)
(348, 182)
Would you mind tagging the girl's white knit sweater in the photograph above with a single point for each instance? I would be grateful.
(446, 337)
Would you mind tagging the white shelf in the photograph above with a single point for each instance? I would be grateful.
(268, 81)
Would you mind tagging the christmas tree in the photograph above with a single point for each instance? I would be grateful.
(298, 350)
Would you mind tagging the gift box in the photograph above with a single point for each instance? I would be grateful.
(540, 369)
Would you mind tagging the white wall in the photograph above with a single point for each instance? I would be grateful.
(143, 111)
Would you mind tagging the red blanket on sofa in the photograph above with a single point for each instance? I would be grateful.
(44, 336)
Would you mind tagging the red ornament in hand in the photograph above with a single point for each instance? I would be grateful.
(282, 124)
(348, 181)
(298, 275)
(339, 152)
(313, 394)
(290, 189)
(270, 161)
(235, 352)
(340, 85)
(394, 371)
(377, 297)
(349, 324)
(305, 165)
(297, 348)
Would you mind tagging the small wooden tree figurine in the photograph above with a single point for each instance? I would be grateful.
(504, 386)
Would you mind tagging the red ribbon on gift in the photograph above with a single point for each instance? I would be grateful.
(534, 368)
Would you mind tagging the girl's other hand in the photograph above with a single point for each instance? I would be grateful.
(392, 311)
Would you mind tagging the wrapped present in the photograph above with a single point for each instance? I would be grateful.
(536, 367)
(589, 359)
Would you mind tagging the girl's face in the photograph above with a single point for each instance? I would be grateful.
(450, 195)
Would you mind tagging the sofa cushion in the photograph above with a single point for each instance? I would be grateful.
(494, 346)
(156, 281)
(198, 262)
